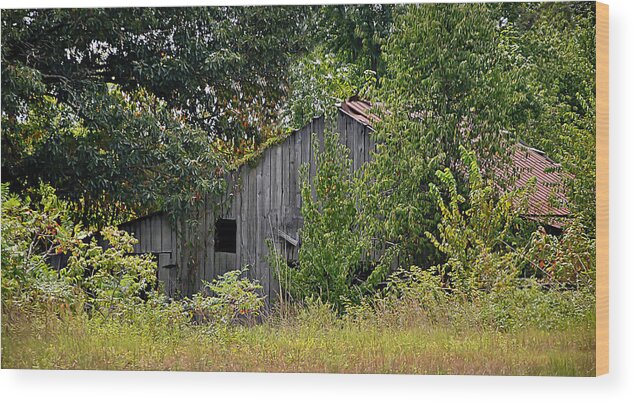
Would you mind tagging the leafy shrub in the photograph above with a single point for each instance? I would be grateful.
(533, 306)
(569, 259)
(473, 235)
(227, 300)
(318, 81)
(317, 315)
(31, 234)
(412, 296)
(332, 238)
(416, 297)
(106, 278)
(111, 278)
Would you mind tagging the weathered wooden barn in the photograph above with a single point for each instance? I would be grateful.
(263, 202)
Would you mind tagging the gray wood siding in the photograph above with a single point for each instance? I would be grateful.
(263, 197)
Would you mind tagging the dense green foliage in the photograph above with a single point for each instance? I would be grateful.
(102, 277)
(229, 299)
(445, 86)
(333, 240)
(29, 238)
(476, 241)
(455, 77)
(356, 33)
(318, 82)
(553, 45)
(346, 59)
(117, 108)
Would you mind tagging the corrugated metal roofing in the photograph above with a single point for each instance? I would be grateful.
(548, 198)
(528, 162)
(359, 110)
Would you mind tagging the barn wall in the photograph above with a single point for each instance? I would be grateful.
(155, 235)
(264, 199)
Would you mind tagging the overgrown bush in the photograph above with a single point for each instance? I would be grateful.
(569, 259)
(333, 240)
(416, 297)
(230, 299)
(533, 306)
(473, 232)
(413, 296)
(104, 278)
(112, 279)
(31, 234)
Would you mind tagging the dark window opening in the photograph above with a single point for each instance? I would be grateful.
(225, 239)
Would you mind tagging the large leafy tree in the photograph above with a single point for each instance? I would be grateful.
(447, 84)
(118, 108)
(357, 32)
(554, 48)
(345, 59)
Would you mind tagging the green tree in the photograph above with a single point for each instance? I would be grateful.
(447, 84)
(318, 82)
(117, 108)
(475, 231)
(357, 33)
(554, 48)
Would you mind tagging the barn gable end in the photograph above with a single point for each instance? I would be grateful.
(262, 201)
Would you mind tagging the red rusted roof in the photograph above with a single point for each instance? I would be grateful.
(359, 110)
(528, 162)
(548, 198)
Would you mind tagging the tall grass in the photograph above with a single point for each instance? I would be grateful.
(311, 339)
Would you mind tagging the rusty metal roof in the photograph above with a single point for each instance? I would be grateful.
(548, 198)
(545, 201)
(359, 110)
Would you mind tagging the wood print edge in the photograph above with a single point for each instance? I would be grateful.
(602, 190)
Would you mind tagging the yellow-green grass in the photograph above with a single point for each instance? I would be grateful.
(295, 346)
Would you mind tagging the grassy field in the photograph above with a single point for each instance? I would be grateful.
(334, 346)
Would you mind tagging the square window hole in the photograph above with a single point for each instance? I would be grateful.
(225, 236)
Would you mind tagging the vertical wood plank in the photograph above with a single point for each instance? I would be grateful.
(245, 221)
(320, 132)
(143, 235)
(279, 171)
(265, 222)
(306, 159)
(292, 176)
(200, 246)
(286, 167)
(252, 221)
(259, 218)
(341, 127)
(350, 141)
(181, 274)
(361, 146)
(368, 144)
(220, 263)
(157, 240)
(166, 235)
(354, 144)
(298, 164)
(163, 272)
(237, 207)
(312, 153)
(134, 228)
(208, 241)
